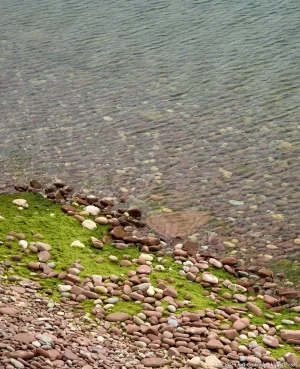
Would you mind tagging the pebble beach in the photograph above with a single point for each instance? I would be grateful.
(87, 283)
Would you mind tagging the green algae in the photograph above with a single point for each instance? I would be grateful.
(59, 230)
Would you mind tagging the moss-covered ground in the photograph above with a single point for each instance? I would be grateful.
(60, 230)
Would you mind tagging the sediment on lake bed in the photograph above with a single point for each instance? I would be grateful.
(107, 282)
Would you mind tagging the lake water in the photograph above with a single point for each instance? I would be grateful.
(196, 101)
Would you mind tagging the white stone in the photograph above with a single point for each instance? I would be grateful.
(77, 243)
(64, 287)
(92, 210)
(89, 224)
(20, 202)
(108, 306)
(171, 308)
(36, 344)
(195, 362)
(159, 268)
(23, 244)
(1, 218)
(213, 361)
(113, 258)
(146, 257)
(150, 291)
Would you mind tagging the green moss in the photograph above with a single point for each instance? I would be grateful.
(60, 230)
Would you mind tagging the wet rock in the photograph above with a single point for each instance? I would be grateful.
(118, 233)
(150, 241)
(229, 261)
(134, 211)
(66, 208)
(264, 272)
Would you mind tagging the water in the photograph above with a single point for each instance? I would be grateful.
(197, 101)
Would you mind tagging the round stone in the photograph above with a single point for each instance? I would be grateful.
(89, 224)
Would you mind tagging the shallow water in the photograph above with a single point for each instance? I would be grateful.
(198, 101)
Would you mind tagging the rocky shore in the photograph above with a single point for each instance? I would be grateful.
(86, 284)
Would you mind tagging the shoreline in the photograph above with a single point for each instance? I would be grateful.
(207, 306)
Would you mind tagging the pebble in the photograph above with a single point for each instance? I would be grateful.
(89, 224)
(20, 202)
(23, 244)
(92, 210)
(77, 243)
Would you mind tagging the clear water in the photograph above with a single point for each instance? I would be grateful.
(158, 97)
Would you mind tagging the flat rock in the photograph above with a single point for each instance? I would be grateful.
(241, 324)
(170, 291)
(89, 224)
(287, 334)
(144, 269)
(254, 309)
(271, 341)
(7, 310)
(20, 202)
(214, 344)
(44, 256)
(41, 246)
(117, 317)
(154, 362)
(24, 337)
(209, 278)
(119, 233)
(178, 223)
(66, 208)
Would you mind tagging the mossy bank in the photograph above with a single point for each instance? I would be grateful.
(44, 221)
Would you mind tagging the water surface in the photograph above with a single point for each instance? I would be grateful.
(198, 101)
